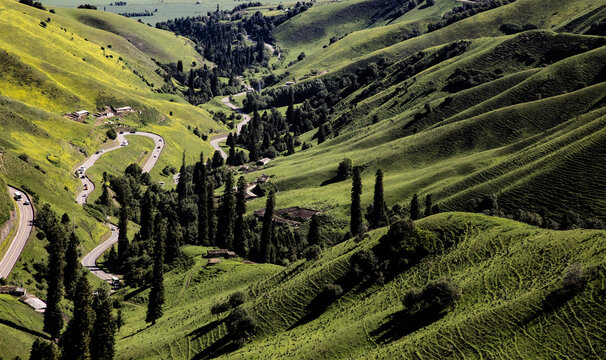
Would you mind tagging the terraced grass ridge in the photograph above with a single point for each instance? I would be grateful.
(505, 269)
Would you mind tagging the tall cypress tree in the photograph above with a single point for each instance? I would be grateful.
(156, 295)
(267, 230)
(225, 235)
(379, 218)
(103, 337)
(200, 189)
(415, 208)
(53, 316)
(72, 265)
(75, 342)
(184, 181)
(313, 236)
(355, 225)
(240, 241)
(428, 205)
(210, 206)
(123, 243)
(148, 206)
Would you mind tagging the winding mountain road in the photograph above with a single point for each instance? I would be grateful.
(22, 233)
(214, 142)
(89, 187)
(89, 261)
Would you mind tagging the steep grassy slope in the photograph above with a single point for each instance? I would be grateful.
(386, 42)
(187, 327)
(19, 327)
(66, 66)
(157, 44)
(521, 132)
(506, 271)
(6, 205)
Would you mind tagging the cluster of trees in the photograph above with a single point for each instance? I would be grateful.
(568, 220)
(91, 329)
(466, 10)
(266, 135)
(220, 41)
(36, 4)
(202, 83)
(192, 215)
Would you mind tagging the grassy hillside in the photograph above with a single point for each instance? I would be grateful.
(19, 327)
(526, 130)
(506, 271)
(387, 42)
(66, 66)
(6, 205)
(187, 327)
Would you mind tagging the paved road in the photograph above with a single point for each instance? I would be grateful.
(88, 185)
(245, 119)
(89, 261)
(22, 233)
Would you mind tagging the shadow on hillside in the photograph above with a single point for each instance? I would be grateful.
(204, 329)
(332, 180)
(218, 348)
(402, 323)
(135, 292)
(138, 331)
(23, 328)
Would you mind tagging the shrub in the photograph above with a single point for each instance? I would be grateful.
(312, 252)
(169, 170)
(219, 308)
(436, 297)
(236, 299)
(111, 134)
(24, 157)
(240, 325)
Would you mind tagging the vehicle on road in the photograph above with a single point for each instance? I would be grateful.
(121, 132)
(26, 202)
(97, 152)
(156, 156)
(132, 132)
(124, 143)
(113, 228)
(18, 196)
(115, 282)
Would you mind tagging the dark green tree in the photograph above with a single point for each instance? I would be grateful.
(345, 169)
(240, 240)
(184, 181)
(217, 160)
(225, 237)
(290, 145)
(123, 243)
(43, 350)
(105, 199)
(156, 295)
(200, 188)
(210, 205)
(379, 217)
(415, 208)
(104, 328)
(428, 205)
(75, 343)
(72, 265)
(313, 236)
(355, 225)
(53, 316)
(267, 230)
(148, 205)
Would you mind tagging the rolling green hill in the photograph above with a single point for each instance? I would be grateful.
(506, 271)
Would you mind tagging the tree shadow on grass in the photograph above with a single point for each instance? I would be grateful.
(204, 329)
(23, 329)
(218, 348)
(403, 323)
(135, 292)
(332, 180)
